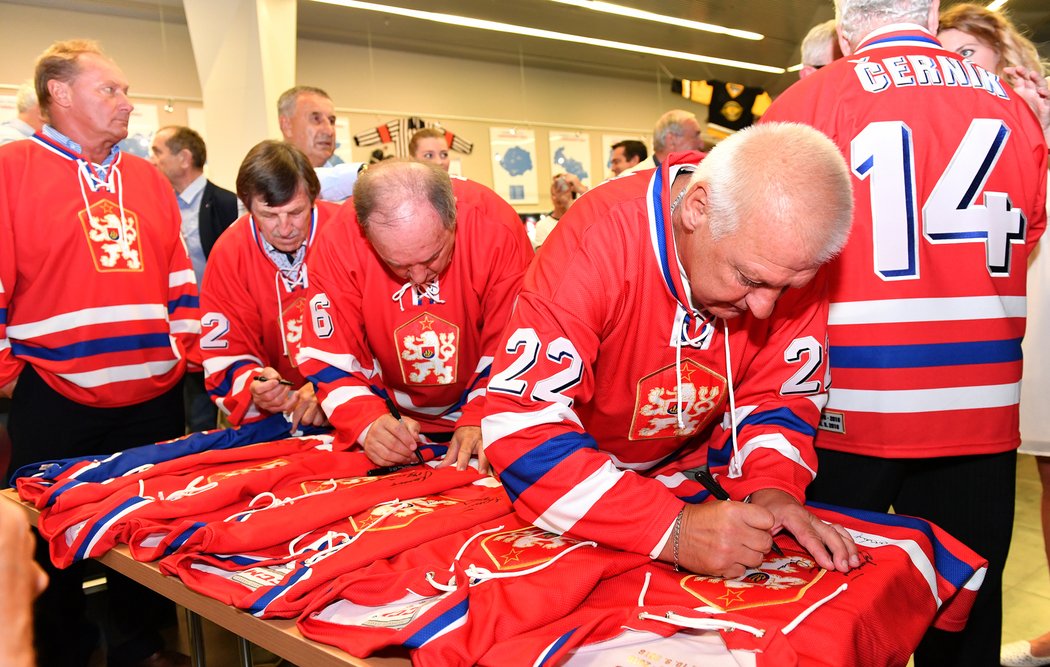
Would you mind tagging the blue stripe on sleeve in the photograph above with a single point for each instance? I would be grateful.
(226, 385)
(327, 375)
(182, 537)
(947, 564)
(780, 417)
(184, 301)
(925, 356)
(528, 469)
(90, 348)
(554, 648)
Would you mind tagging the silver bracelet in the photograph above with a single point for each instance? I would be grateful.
(676, 535)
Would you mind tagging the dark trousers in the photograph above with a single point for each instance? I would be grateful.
(46, 425)
(971, 497)
(201, 413)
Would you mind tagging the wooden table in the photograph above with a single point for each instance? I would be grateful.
(277, 636)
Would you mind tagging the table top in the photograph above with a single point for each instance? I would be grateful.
(277, 636)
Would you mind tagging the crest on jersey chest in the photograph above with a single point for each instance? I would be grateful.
(524, 548)
(398, 515)
(428, 349)
(656, 401)
(778, 580)
(114, 244)
(292, 327)
(259, 467)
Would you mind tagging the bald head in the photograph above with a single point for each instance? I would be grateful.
(408, 213)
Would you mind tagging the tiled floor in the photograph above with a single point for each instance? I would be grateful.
(1026, 582)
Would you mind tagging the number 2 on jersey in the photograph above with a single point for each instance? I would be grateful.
(884, 155)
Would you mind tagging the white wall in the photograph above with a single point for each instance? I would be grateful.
(467, 96)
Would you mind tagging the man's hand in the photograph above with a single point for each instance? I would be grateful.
(721, 538)
(563, 189)
(391, 442)
(466, 442)
(830, 545)
(307, 410)
(21, 581)
(270, 395)
(8, 390)
(1033, 89)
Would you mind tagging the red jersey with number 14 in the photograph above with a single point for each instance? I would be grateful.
(928, 298)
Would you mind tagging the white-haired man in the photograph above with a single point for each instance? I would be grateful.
(676, 131)
(28, 120)
(819, 48)
(612, 377)
(928, 297)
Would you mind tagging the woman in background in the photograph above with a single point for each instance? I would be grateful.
(989, 40)
(429, 145)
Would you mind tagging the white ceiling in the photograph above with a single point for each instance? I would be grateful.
(783, 22)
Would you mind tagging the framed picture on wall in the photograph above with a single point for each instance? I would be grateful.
(571, 154)
(514, 164)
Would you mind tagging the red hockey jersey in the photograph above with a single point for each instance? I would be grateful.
(96, 289)
(371, 334)
(928, 298)
(785, 612)
(252, 314)
(587, 399)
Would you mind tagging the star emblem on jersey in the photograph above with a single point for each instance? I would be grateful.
(657, 401)
(524, 548)
(112, 238)
(776, 581)
(428, 350)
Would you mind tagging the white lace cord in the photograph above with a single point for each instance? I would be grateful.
(716, 624)
(336, 548)
(451, 585)
(683, 336)
(734, 463)
(812, 608)
(191, 489)
(328, 537)
(645, 588)
(396, 296)
(431, 291)
(483, 574)
(279, 502)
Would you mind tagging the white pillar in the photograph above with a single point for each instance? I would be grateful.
(245, 53)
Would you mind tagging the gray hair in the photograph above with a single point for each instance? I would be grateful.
(788, 174)
(289, 98)
(857, 18)
(819, 43)
(390, 182)
(25, 99)
(670, 124)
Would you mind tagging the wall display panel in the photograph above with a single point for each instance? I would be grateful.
(571, 153)
(142, 125)
(514, 171)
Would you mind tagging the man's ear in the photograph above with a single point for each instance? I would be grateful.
(285, 123)
(844, 45)
(694, 207)
(60, 93)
